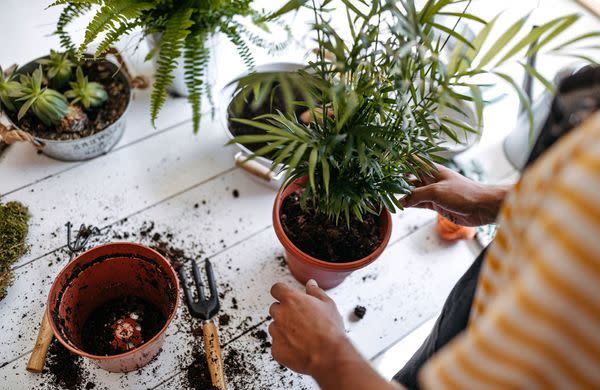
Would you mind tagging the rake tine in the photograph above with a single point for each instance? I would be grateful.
(198, 280)
(212, 285)
(186, 289)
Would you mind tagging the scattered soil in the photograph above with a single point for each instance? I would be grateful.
(64, 367)
(360, 311)
(97, 119)
(242, 368)
(13, 232)
(224, 319)
(241, 106)
(321, 238)
(120, 325)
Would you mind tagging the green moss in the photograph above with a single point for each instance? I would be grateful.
(13, 231)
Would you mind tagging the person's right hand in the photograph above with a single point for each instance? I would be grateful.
(461, 200)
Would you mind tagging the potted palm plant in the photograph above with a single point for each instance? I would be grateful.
(179, 32)
(382, 99)
(72, 110)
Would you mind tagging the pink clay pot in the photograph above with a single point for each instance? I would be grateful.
(304, 266)
(107, 272)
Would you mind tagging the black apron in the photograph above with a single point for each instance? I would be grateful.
(578, 97)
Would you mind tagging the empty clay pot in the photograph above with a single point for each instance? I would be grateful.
(304, 266)
(108, 272)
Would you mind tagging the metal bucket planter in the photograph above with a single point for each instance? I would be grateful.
(87, 147)
(259, 167)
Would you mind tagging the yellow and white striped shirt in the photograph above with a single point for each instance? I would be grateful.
(535, 319)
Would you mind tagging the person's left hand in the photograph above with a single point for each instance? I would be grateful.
(307, 328)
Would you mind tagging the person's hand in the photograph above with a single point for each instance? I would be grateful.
(307, 328)
(457, 198)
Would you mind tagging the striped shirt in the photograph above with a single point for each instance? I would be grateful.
(535, 318)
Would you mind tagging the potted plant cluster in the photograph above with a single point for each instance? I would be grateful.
(379, 99)
(181, 30)
(73, 110)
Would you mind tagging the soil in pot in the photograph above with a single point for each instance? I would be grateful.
(120, 325)
(241, 107)
(97, 118)
(319, 237)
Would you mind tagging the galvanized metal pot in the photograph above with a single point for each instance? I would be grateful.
(259, 167)
(87, 147)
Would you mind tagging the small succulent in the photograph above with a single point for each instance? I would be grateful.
(58, 68)
(48, 105)
(87, 93)
(8, 89)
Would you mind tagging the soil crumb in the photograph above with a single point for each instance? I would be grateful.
(236, 194)
(360, 311)
(14, 217)
(224, 319)
(321, 238)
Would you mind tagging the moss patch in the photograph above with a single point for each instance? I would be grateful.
(13, 231)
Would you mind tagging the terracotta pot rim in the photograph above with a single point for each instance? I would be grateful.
(153, 340)
(385, 220)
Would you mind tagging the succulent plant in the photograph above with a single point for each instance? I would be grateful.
(8, 89)
(58, 68)
(48, 105)
(87, 93)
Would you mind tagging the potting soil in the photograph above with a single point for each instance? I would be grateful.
(120, 325)
(322, 238)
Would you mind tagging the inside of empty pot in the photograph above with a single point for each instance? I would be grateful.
(115, 305)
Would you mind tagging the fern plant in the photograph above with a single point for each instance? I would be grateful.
(183, 26)
(391, 89)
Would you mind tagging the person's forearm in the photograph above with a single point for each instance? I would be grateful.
(491, 198)
(344, 368)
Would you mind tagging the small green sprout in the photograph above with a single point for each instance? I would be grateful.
(87, 93)
(47, 104)
(58, 68)
(8, 89)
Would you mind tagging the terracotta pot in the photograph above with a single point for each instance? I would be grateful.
(107, 272)
(304, 266)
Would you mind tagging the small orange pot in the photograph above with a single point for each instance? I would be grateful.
(304, 266)
(107, 272)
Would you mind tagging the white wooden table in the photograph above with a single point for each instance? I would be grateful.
(159, 175)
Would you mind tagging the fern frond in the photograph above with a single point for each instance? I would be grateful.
(67, 15)
(196, 56)
(113, 12)
(171, 45)
(113, 35)
(259, 41)
(241, 45)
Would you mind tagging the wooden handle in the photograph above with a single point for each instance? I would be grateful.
(44, 338)
(254, 168)
(212, 350)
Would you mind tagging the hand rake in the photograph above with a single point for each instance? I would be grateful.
(205, 309)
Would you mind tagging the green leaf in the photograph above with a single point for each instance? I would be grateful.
(502, 42)
(325, 168)
(566, 22)
(452, 33)
(534, 73)
(288, 7)
(530, 39)
(577, 39)
(312, 165)
(522, 97)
